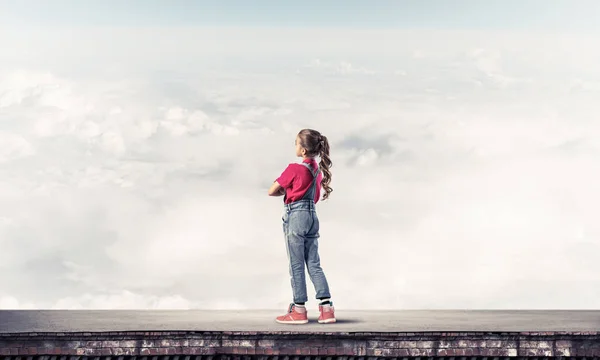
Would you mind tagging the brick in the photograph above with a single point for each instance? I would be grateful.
(450, 352)
(266, 343)
(316, 343)
(362, 351)
(171, 343)
(241, 350)
(73, 344)
(401, 352)
(374, 344)
(148, 344)
(340, 351)
(562, 352)
(535, 344)
(460, 352)
(93, 352)
(207, 351)
(374, 352)
(421, 352)
(424, 344)
(535, 352)
(504, 352)
(195, 342)
(408, 344)
(488, 352)
(544, 345)
(110, 344)
(490, 343)
(247, 343)
(444, 344)
(564, 343)
(386, 352)
(228, 343)
(14, 345)
(468, 343)
(211, 343)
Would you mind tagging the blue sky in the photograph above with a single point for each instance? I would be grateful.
(544, 14)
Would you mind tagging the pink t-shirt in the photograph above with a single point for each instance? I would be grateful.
(296, 180)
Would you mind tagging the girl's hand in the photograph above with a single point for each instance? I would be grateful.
(276, 190)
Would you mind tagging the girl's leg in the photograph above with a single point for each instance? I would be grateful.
(295, 251)
(313, 261)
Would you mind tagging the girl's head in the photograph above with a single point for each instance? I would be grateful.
(311, 143)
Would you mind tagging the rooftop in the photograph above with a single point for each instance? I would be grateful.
(44, 321)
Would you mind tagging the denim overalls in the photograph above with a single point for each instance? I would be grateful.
(301, 230)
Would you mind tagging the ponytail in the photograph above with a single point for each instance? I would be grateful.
(325, 165)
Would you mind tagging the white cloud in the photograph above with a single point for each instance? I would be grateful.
(11, 303)
(14, 147)
(339, 68)
(139, 180)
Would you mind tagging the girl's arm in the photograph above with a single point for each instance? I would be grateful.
(276, 190)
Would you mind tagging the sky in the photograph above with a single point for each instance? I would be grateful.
(138, 144)
(500, 14)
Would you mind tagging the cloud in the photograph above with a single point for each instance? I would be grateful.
(11, 303)
(340, 68)
(134, 167)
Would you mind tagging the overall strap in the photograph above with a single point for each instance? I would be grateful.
(310, 193)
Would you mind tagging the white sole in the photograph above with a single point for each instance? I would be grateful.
(294, 322)
(328, 321)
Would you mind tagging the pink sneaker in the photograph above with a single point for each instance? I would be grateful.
(293, 316)
(327, 314)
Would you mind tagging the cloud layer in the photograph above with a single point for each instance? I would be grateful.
(134, 165)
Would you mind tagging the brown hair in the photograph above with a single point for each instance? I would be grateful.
(316, 144)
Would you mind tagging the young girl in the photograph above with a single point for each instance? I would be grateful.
(301, 186)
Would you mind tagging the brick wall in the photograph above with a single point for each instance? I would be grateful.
(298, 344)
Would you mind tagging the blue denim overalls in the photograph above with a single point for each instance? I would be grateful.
(301, 230)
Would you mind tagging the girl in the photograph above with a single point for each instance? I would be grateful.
(301, 186)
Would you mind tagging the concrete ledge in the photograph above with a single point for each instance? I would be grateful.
(186, 343)
(264, 321)
(254, 335)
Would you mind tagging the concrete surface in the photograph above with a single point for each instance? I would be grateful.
(263, 320)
